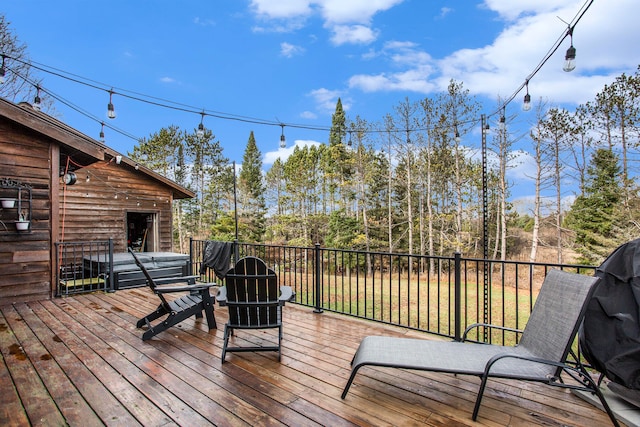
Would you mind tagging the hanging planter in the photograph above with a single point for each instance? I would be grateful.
(23, 222)
(8, 203)
(22, 225)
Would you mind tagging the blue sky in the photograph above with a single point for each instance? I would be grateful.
(287, 61)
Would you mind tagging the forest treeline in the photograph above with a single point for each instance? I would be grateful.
(408, 183)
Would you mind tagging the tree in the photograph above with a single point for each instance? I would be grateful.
(19, 80)
(595, 212)
(251, 189)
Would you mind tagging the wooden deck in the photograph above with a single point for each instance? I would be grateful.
(80, 361)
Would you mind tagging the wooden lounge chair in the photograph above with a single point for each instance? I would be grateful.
(541, 354)
(254, 300)
(192, 304)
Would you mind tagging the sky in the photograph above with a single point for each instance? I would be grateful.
(261, 63)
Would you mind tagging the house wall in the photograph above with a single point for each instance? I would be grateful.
(25, 257)
(97, 209)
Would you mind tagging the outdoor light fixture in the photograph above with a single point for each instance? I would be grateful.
(349, 141)
(3, 72)
(36, 100)
(570, 57)
(111, 112)
(283, 141)
(456, 133)
(200, 131)
(102, 132)
(503, 121)
(526, 106)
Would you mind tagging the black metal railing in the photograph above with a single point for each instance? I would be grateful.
(435, 294)
(83, 267)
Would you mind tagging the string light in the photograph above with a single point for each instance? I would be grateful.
(526, 106)
(37, 100)
(101, 131)
(283, 141)
(456, 133)
(200, 131)
(111, 112)
(570, 56)
(226, 116)
(503, 120)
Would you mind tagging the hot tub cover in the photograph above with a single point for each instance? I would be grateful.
(610, 333)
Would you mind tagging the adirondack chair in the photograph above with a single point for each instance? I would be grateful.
(192, 304)
(254, 300)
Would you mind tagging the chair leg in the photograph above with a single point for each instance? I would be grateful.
(354, 371)
(483, 385)
(279, 343)
(208, 311)
(227, 332)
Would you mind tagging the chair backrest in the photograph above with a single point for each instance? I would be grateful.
(557, 314)
(144, 270)
(252, 294)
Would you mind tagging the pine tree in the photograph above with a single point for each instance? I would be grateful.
(594, 213)
(251, 186)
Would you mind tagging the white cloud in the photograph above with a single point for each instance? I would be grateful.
(283, 153)
(289, 50)
(604, 40)
(444, 11)
(278, 9)
(353, 34)
(204, 22)
(168, 80)
(309, 115)
(326, 99)
(347, 21)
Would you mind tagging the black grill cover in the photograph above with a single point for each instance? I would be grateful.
(610, 332)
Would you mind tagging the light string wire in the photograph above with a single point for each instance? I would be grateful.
(164, 103)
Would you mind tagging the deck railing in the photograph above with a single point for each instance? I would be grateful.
(435, 294)
(83, 267)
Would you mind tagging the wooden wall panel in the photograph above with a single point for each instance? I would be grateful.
(97, 209)
(25, 259)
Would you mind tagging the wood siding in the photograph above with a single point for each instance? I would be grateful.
(97, 209)
(25, 257)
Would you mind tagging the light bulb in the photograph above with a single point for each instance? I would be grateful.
(111, 112)
(526, 106)
(283, 142)
(570, 59)
(200, 131)
(36, 103)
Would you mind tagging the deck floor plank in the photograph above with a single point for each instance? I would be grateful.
(12, 412)
(16, 347)
(177, 378)
(80, 396)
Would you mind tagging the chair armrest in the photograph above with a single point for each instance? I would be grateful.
(487, 325)
(188, 288)
(181, 279)
(286, 294)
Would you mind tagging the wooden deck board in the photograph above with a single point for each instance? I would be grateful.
(80, 360)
